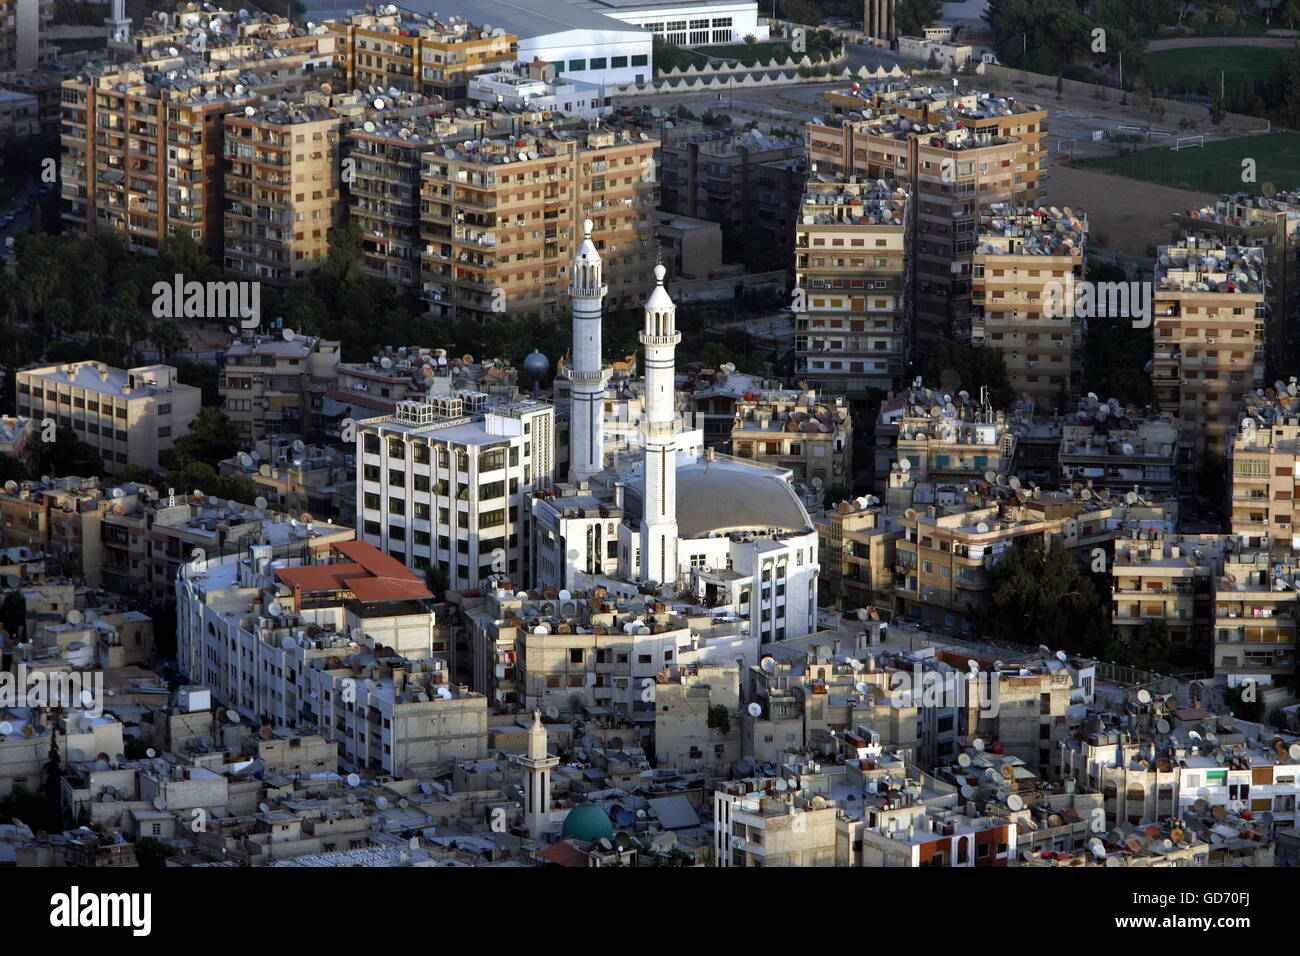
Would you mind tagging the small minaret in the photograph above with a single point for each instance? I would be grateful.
(659, 338)
(119, 24)
(588, 375)
(537, 780)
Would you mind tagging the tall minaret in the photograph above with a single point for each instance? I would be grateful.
(660, 426)
(587, 373)
(537, 780)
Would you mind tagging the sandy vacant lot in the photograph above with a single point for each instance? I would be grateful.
(1132, 214)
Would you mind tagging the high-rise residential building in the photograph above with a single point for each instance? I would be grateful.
(129, 416)
(1262, 454)
(1255, 610)
(720, 177)
(853, 244)
(275, 384)
(282, 188)
(398, 51)
(442, 484)
(143, 142)
(24, 26)
(1169, 578)
(500, 216)
(1027, 262)
(1209, 316)
(1271, 223)
(957, 153)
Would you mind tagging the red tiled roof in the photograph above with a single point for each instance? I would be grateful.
(370, 574)
(564, 853)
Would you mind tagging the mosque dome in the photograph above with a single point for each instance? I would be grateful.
(587, 822)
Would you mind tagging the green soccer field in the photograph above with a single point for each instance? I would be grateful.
(1215, 167)
(1212, 66)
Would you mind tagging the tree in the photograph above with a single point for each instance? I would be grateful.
(913, 16)
(152, 852)
(1037, 595)
(67, 455)
(956, 367)
(719, 719)
(53, 786)
(12, 469)
(211, 438)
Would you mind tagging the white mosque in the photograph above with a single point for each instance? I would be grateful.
(667, 519)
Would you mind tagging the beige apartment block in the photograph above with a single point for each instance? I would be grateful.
(1271, 223)
(807, 433)
(275, 384)
(852, 263)
(143, 142)
(500, 218)
(1208, 325)
(281, 189)
(1264, 449)
(129, 416)
(856, 541)
(1167, 578)
(957, 153)
(433, 57)
(1026, 263)
(1255, 620)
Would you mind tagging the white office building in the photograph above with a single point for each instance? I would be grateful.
(444, 483)
(605, 42)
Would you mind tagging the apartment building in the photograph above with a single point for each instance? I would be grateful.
(1025, 261)
(1271, 223)
(810, 435)
(855, 538)
(376, 387)
(569, 652)
(24, 33)
(399, 51)
(1203, 773)
(942, 558)
(282, 188)
(1209, 319)
(757, 826)
(348, 649)
(317, 480)
(1168, 578)
(500, 216)
(444, 483)
(853, 260)
(721, 177)
(1255, 620)
(275, 384)
(129, 416)
(957, 154)
(1118, 450)
(1262, 456)
(132, 540)
(931, 436)
(144, 142)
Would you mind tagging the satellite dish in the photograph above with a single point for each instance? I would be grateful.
(1015, 802)
(232, 716)
(978, 743)
(755, 710)
(381, 803)
(1144, 696)
(768, 664)
(151, 753)
(1294, 751)
(354, 780)
(963, 759)
(288, 644)
(1162, 726)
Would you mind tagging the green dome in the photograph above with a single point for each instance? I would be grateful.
(587, 822)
